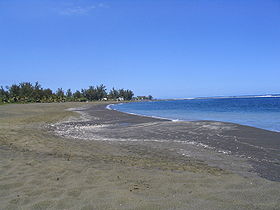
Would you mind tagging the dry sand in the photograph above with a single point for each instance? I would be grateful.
(41, 170)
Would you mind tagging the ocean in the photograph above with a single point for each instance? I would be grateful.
(260, 112)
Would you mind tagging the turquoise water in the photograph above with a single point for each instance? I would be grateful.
(257, 112)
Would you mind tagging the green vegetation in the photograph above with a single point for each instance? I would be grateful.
(149, 97)
(26, 92)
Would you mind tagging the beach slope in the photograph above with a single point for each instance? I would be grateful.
(92, 158)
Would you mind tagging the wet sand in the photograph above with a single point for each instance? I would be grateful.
(93, 158)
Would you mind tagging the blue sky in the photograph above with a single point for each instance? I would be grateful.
(167, 48)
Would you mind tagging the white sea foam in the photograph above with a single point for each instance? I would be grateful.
(109, 107)
(267, 96)
(176, 120)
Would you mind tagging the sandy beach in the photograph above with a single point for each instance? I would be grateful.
(84, 156)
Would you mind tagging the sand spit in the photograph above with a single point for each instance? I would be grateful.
(134, 165)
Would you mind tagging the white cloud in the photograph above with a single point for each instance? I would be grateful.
(79, 10)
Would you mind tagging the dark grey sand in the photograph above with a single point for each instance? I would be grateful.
(54, 158)
(260, 148)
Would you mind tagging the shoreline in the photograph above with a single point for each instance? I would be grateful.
(141, 115)
(228, 138)
(178, 120)
(174, 119)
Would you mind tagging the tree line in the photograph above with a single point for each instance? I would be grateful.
(26, 92)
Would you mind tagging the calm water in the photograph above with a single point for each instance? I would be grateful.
(258, 112)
